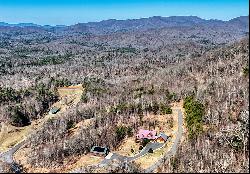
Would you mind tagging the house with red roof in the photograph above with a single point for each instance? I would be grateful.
(146, 134)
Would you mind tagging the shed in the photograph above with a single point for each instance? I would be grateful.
(162, 138)
(99, 151)
(16, 168)
(54, 110)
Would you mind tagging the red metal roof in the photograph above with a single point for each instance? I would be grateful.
(146, 134)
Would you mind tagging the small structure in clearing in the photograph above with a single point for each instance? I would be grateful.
(99, 151)
(54, 110)
(161, 138)
(16, 168)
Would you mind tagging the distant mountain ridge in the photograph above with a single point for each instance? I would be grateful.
(19, 25)
(156, 22)
(176, 19)
(142, 24)
(5, 24)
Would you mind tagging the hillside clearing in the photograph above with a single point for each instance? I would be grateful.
(11, 135)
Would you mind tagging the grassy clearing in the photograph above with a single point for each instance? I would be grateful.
(149, 159)
(126, 146)
(10, 135)
(82, 162)
(165, 123)
(68, 165)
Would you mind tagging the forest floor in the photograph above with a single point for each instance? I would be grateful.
(67, 165)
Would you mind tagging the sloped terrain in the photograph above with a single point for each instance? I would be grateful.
(11, 135)
(222, 82)
(127, 76)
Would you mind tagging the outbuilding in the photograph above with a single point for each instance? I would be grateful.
(162, 138)
(99, 151)
(54, 110)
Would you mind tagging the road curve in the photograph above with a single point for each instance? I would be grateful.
(154, 146)
(173, 149)
(8, 156)
(144, 151)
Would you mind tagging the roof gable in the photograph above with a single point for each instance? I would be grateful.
(146, 134)
(98, 149)
(54, 110)
(164, 136)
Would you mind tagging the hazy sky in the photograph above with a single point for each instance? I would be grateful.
(74, 11)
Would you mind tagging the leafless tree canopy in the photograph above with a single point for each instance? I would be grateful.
(126, 73)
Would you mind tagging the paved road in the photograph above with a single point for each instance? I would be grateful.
(8, 156)
(122, 158)
(173, 149)
(154, 146)
(144, 151)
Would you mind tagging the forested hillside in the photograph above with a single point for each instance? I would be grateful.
(222, 86)
(128, 72)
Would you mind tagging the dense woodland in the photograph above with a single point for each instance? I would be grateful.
(126, 75)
